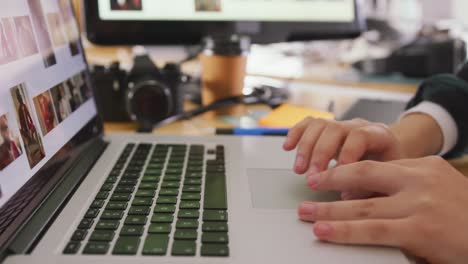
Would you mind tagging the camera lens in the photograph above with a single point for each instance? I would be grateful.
(149, 102)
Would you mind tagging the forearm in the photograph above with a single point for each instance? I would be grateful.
(419, 135)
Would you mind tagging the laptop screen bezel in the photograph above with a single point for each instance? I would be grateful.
(47, 178)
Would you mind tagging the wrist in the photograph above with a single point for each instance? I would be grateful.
(418, 135)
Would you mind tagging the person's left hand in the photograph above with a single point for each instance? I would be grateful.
(424, 210)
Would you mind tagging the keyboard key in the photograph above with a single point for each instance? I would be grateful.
(102, 195)
(174, 171)
(175, 178)
(156, 244)
(162, 218)
(185, 234)
(166, 200)
(169, 192)
(126, 245)
(136, 220)
(102, 236)
(214, 250)
(145, 193)
(131, 175)
(129, 182)
(148, 186)
(195, 182)
(215, 227)
(188, 214)
(139, 210)
(189, 205)
(86, 223)
(184, 248)
(96, 248)
(152, 172)
(107, 225)
(132, 231)
(112, 215)
(215, 237)
(170, 185)
(142, 201)
(194, 175)
(107, 187)
(150, 179)
(164, 208)
(191, 197)
(116, 205)
(79, 235)
(215, 215)
(159, 228)
(121, 197)
(192, 189)
(187, 224)
(215, 191)
(124, 189)
(72, 248)
(92, 213)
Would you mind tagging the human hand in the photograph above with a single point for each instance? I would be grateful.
(318, 141)
(424, 211)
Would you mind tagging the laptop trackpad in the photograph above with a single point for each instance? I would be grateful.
(282, 189)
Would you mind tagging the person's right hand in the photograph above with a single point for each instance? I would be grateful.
(319, 141)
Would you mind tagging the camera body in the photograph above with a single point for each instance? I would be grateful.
(145, 94)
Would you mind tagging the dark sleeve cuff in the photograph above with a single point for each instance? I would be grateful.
(451, 93)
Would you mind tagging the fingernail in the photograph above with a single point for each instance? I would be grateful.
(323, 230)
(300, 162)
(313, 180)
(307, 209)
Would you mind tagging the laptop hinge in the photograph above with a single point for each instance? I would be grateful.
(28, 237)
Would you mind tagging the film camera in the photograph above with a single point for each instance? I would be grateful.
(146, 94)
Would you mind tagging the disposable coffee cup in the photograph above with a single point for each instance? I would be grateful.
(224, 64)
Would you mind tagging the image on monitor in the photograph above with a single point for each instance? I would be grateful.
(126, 5)
(208, 5)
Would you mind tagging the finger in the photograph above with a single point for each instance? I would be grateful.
(327, 146)
(376, 208)
(357, 195)
(363, 232)
(306, 145)
(363, 140)
(381, 177)
(295, 134)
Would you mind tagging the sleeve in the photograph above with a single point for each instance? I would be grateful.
(451, 93)
(443, 118)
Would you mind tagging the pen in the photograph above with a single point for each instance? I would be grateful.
(253, 131)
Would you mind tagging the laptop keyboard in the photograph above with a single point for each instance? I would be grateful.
(158, 200)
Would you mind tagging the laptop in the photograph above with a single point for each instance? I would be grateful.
(71, 194)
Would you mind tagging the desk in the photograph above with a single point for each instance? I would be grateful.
(204, 125)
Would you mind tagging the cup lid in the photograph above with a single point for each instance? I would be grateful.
(232, 45)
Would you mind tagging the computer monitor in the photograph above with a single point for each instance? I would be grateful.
(186, 22)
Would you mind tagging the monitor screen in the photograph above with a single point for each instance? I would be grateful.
(186, 22)
(228, 10)
(45, 96)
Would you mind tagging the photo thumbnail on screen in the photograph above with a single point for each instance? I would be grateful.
(10, 147)
(27, 126)
(42, 33)
(45, 110)
(70, 26)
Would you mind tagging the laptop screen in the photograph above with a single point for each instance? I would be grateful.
(45, 94)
